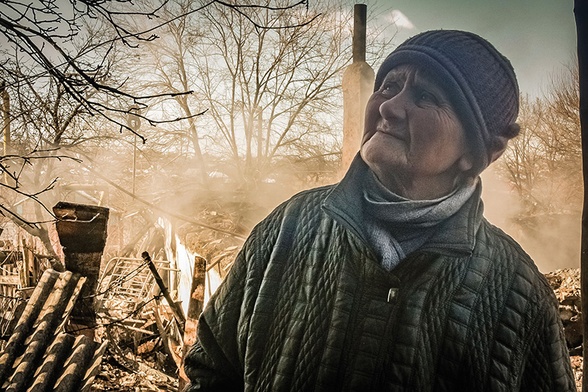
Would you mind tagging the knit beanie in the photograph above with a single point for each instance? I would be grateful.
(480, 82)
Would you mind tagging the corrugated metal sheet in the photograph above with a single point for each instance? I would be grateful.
(40, 356)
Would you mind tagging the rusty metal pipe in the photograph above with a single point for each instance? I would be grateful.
(176, 310)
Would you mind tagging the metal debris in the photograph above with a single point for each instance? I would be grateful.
(40, 356)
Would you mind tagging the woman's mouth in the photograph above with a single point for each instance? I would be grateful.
(393, 133)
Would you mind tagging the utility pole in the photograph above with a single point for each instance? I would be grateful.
(5, 123)
(5, 116)
(134, 122)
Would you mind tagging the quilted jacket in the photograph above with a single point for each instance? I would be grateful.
(307, 307)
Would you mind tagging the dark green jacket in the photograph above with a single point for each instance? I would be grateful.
(306, 307)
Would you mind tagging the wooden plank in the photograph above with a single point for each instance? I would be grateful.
(194, 310)
(9, 280)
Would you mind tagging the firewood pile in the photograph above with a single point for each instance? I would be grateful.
(566, 285)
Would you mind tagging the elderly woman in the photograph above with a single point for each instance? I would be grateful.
(392, 280)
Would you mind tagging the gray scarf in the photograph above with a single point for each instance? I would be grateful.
(396, 227)
(392, 225)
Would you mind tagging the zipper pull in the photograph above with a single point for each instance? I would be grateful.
(392, 294)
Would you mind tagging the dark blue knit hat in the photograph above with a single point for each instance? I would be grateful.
(480, 81)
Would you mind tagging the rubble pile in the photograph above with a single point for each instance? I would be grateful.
(117, 376)
(141, 339)
(566, 285)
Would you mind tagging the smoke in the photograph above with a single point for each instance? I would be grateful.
(400, 20)
(553, 241)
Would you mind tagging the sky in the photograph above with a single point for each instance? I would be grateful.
(538, 36)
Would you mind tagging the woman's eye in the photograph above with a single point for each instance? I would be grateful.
(425, 96)
(390, 89)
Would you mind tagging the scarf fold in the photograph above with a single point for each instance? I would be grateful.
(392, 225)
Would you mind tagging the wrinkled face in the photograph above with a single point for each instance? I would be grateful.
(412, 131)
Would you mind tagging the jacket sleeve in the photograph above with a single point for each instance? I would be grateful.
(548, 366)
(212, 364)
(216, 361)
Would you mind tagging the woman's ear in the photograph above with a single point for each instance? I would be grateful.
(465, 163)
(499, 145)
(500, 142)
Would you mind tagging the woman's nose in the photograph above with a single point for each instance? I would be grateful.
(396, 106)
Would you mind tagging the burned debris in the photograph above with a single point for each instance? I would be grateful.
(566, 285)
(51, 345)
(40, 355)
(110, 322)
(82, 234)
(123, 324)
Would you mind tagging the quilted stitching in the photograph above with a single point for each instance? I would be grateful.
(312, 314)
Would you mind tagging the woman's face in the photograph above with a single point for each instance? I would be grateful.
(412, 133)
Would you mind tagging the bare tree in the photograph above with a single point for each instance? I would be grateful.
(543, 165)
(57, 80)
(264, 87)
(272, 95)
(522, 161)
(38, 33)
(170, 60)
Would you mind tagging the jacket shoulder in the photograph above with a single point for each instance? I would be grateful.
(302, 208)
(308, 195)
(302, 204)
(508, 258)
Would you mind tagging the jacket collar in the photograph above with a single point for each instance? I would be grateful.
(454, 236)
